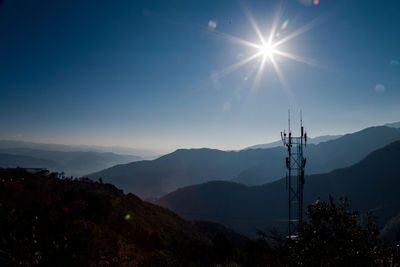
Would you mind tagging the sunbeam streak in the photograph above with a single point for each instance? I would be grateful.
(299, 59)
(235, 39)
(285, 87)
(237, 65)
(299, 31)
(280, 75)
(274, 26)
(257, 80)
(267, 48)
(254, 25)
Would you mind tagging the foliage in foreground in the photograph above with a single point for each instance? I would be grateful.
(47, 221)
(335, 235)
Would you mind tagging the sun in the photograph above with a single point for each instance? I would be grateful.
(267, 50)
(268, 47)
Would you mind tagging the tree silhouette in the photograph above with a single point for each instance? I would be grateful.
(337, 236)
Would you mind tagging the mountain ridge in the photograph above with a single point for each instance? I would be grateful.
(326, 156)
(184, 167)
(143, 153)
(78, 222)
(311, 140)
(73, 163)
(247, 208)
(181, 168)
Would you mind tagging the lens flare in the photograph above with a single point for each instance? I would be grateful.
(285, 24)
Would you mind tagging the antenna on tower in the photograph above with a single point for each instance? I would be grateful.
(301, 124)
(295, 164)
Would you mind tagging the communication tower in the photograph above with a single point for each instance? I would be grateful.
(295, 163)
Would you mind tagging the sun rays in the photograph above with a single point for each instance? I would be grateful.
(267, 48)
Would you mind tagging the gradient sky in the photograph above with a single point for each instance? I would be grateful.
(149, 73)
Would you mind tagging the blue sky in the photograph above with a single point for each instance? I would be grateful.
(149, 74)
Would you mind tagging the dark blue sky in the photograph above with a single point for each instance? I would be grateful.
(150, 73)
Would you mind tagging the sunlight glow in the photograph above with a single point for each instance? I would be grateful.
(267, 48)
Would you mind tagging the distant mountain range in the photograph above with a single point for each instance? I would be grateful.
(371, 184)
(142, 153)
(184, 167)
(327, 156)
(393, 124)
(75, 163)
(251, 166)
(13, 161)
(315, 140)
(310, 140)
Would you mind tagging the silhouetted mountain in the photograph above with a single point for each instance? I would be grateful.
(14, 161)
(391, 230)
(371, 184)
(327, 156)
(185, 167)
(252, 166)
(313, 140)
(48, 221)
(316, 140)
(393, 124)
(71, 163)
(212, 229)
